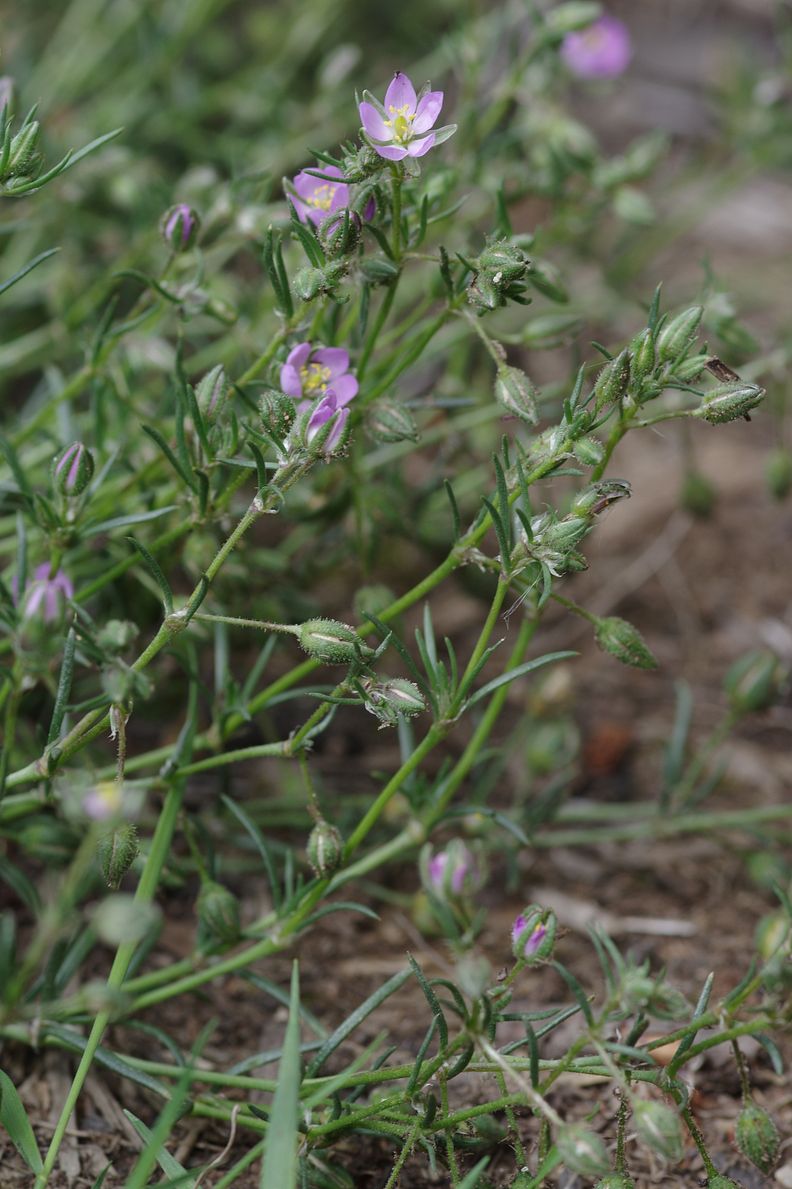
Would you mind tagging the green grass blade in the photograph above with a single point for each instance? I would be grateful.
(279, 1166)
(13, 1117)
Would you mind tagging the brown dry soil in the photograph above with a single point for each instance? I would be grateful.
(701, 592)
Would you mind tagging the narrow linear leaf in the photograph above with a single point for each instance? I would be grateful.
(156, 573)
(432, 1000)
(358, 1015)
(175, 1172)
(520, 671)
(64, 688)
(279, 1165)
(181, 471)
(13, 1117)
(26, 268)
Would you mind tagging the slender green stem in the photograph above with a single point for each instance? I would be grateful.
(146, 890)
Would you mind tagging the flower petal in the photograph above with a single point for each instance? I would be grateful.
(427, 112)
(417, 148)
(298, 356)
(334, 358)
(373, 122)
(344, 389)
(290, 381)
(400, 93)
(390, 152)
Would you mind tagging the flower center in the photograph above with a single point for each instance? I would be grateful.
(401, 122)
(314, 379)
(322, 197)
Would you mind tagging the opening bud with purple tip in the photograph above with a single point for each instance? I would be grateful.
(179, 227)
(451, 874)
(533, 935)
(72, 469)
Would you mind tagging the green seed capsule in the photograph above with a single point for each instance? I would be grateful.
(678, 335)
(621, 640)
(757, 1137)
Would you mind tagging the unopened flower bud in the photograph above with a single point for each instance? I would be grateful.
(24, 158)
(516, 393)
(116, 635)
(117, 852)
(72, 469)
(690, 369)
(122, 919)
(211, 392)
(325, 849)
(582, 1151)
(179, 227)
(658, 1126)
(678, 335)
(757, 1137)
(451, 874)
(308, 283)
(778, 473)
(379, 271)
(613, 381)
(324, 429)
(771, 933)
(340, 232)
(218, 911)
(330, 641)
(392, 699)
(533, 934)
(278, 412)
(621, 640)
(503, 263)
(589, 451)
(755, 681)
(644, 354)
(727, 402)
(390, 421)
(362, 164)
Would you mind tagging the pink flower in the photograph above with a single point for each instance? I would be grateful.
(316, 198)
(328, 409)
(45, 597)
(601, 51)
(400, 128)
(307, 375)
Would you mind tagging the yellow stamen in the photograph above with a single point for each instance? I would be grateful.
(401, 122)
(322, 197)
(314, 379)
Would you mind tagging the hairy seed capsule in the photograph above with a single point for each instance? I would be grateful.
(117, 852)
(325, 849)
(658, 1126)
(757, 1137)
(621, 640)
(678, 335)
(218, 911)
(330, 641)
(582, 1150)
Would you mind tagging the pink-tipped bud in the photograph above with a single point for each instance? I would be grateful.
(179, 227)
(533, 934)
(72, 469)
